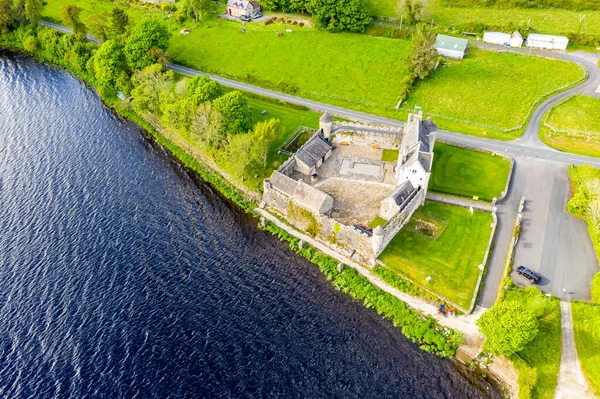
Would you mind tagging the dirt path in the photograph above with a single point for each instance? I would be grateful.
(571, 381)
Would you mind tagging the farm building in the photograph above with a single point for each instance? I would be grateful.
(451, 47)
(516, 40)
(500, 38)
(238, 8)
(548, 42)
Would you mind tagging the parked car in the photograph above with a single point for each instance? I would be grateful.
(529, 274)
(257, 15)
(245, 18)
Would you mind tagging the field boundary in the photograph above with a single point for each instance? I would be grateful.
(510, 252)
(486, 258)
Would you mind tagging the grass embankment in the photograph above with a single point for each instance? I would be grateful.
(52, 9)
(543, 353)
(549, 21)
(586, 324)
(574, 126)
(446, 243)
(467, 173)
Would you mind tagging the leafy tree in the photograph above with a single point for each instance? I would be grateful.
(411, 11)
(202, 88)
(197, 8)
(32, 10)
(234, 107)
(97, 26)
(207, 126)
(70, 16)
(151, 87)
(178, 114)
(338, 15)
(423, 55)
(123, 83)
(108, 61)
(30, 44)
(507, 327)
(145, 36)
(262, 136)
(6, 15)
(118, 22)
(237, 155)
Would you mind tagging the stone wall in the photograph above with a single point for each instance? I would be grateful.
(288, 167)
(382, 139)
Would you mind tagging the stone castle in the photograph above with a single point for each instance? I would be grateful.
(341, 181)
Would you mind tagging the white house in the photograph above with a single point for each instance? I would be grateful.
(237, 8)
(451, 47)
(500, 38)
(516, 40)
(548, 42)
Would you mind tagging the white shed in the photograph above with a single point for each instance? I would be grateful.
(548, 42)
(516, 40)
(500, 38)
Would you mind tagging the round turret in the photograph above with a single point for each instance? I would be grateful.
(325, 124)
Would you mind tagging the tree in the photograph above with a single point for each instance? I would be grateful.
(507, 327)
(32, 10)
(6, 16)
(207, 126)
(118, 22)
(108, 61)
(234, 107)
(423, 55)
(262, 136)
(337, 15)
(197, 8)
(237, 155)
(151, 87)
(97, 26)
(411, 11)
(202, 88)
(70, 16)
(30, 44)
(146, 35)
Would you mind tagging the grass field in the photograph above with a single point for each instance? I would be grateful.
(467, 173)
(586, 323)
(574, 126)
(543, 20)
(543, 352)
(451, 260)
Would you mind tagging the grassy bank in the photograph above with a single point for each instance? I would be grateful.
(445, 243)
(586, 325)
(574, 126)
(467, 173)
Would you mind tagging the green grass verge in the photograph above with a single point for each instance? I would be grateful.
(577, 122)
(467, 173)
(451, 260)
(389, 155)
(378, 221)
(586, 324)
(543, 353)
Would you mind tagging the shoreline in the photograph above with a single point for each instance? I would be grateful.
(199, 169)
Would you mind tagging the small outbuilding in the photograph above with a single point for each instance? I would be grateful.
(451, 47)
(501, 38)
(547, 42)
(516, 40)
(237, 8)
(312, 154)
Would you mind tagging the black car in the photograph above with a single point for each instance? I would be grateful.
(245, 18)
(529, 274)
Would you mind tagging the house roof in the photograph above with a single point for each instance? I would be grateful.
(547, 38)
(402, 192)
(314, 150)
(304, 194)
(416, 143)
(326, 118)
(451, 43)
(242, 4)
(499, 35)
(516, 34)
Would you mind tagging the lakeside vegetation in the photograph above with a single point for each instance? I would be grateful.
(445, 243)
(586, 326)
(574, 126)
(467, 173)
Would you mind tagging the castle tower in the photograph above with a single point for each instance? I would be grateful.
(325, 124)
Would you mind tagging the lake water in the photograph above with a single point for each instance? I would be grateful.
(123, 277)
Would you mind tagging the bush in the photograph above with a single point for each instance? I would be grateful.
(30, 44)
(295, 23)
(596, 288)
(302, 24)
(507, 327)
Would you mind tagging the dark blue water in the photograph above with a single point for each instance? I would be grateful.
(122, 277)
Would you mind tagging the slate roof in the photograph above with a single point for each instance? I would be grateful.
(326, 118)
(402, 192)
(314, 150)
(416, 143)
(451, 43)
(306, 195)
(242, 4)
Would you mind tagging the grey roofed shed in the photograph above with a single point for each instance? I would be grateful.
(451, 43)
(305, 195)
(313, 151)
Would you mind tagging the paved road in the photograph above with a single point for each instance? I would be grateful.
(563, 245)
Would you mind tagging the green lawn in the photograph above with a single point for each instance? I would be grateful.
(576, 126)
(389, 155)
(543, 352)
(586, 323)
(467, 173)
(451, 260)
(543, 20)
(495, 90)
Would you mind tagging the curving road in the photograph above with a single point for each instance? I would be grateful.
(552, 241)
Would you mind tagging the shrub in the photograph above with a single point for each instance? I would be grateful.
(507, 327)
(527, 381)
(596, 288)
(295, 23)
(302, 24)
(30, 44)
